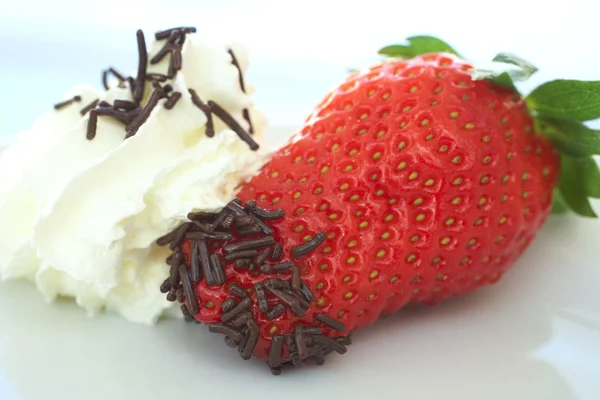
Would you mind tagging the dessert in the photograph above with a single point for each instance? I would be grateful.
(87, 190)
(417, 180)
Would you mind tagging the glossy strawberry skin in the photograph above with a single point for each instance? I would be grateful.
(427, 183)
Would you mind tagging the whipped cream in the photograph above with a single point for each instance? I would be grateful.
(81, 216)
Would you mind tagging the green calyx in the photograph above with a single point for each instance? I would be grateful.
(559, 109)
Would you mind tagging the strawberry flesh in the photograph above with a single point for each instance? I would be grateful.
(424, 183)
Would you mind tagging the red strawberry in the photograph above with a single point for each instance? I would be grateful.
(410, 182)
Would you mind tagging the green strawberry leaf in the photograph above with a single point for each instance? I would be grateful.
(570, 137)
(568, 99)
(526, 69)
(417, 45)
(507, 78)
(579, 180)
(559, 206)
(504, 80)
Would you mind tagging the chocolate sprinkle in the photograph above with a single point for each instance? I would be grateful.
(309, 246)
(166, 239)
(265, 269)
(199, 216)
(312, 330)
(122, 116)
(210, 128)
(228, 304)
(157, 77)
(162, 53)
(165, 286)
(237, 310)
(242, 263)
(330, 343)
(307, 292)
(173, 99)
(261, 297)
(262, 256)
(218, 272)
(237, 290)
(232, 124)
(186, 314)
(250, 205)
(105, 79)
(171, 295)
(89, 107)
(66, 103)
(275, 283)
(116, 74)
(167, 32)
(174, 277)
(220, 217)
(205, 262)
(225, 330)
(125, 105)
(275, 371)
(138, 91)
(249, 244)
(330, 322)
(180, 235)
(300, 342)
(291, 344)
(245, 112)
(277, 252)
(195, 262)
(276, 351)
(243, 221)
(176, 59)
(275, 312)
(244, 340)
(282, 267)
(252, 340)
(242, 319)
(263, 227)
(235, 207)
(213, 236)
(190, 295)
(240, 254)
(268, 214)
(293, 302)
(228, 221)
(319, 357)
(91, 126)
(250, 230)
(206, 228)
(145, 113)
(295, 278)
(179, 295)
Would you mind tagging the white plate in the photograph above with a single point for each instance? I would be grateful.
(534, 335)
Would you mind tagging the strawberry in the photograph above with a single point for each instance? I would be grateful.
(414, 181)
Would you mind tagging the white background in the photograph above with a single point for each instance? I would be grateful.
(535, 335)
(298, 49)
